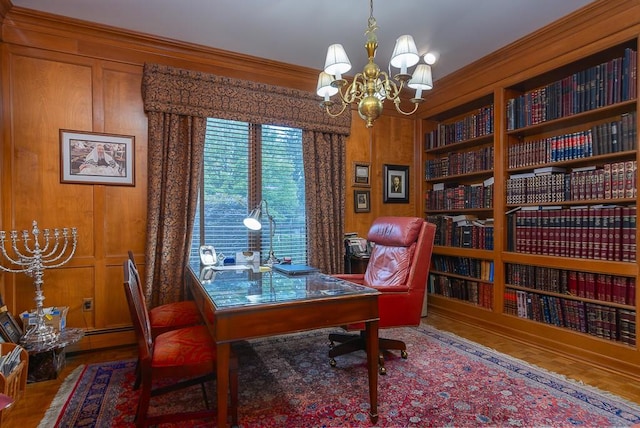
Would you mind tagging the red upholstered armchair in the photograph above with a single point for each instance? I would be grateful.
(398, 268)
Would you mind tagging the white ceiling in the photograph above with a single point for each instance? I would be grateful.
(299, 31)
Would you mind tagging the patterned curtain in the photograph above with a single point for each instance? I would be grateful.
(176, 149)
(178, 102)
(324, 162)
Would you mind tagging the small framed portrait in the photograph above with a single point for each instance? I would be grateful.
(361, 174)
(362, 201)
(93, 158)
(9, 328)
(396, 184)
(208, 255)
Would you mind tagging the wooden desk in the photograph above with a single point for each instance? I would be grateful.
(247, 304)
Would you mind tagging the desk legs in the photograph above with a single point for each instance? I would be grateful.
(222, 381)
(372, 363)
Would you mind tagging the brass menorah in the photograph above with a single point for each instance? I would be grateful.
(32, 260)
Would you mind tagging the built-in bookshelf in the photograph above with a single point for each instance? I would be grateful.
(571, 191)
(560, 202)
(459, 177)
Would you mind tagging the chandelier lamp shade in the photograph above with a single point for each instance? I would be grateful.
(371, 87)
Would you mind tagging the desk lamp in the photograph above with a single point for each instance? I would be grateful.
(252, 222)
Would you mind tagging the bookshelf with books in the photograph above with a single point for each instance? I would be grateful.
(463, 278)
(571, 193)
(459, 162)
(563, 189)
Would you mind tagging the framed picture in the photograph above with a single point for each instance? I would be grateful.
(93, 158)
(396, 184)
(9, 328)
(362, 201)
(361, 174)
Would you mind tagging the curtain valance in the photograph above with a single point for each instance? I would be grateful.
(193, 93)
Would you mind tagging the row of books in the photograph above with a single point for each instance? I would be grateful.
(596, 232)
(598, 86)
(476, 292)
(465, 266)
(600, 139)
(452, 196)
(462, 231)
(460, 163)
(474, 125)
(617, 180)
(534, 187)
(606, 322)
(616, 136)
(596, 286)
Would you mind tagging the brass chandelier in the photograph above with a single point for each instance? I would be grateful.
(372, 87)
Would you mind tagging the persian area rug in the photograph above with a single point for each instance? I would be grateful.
(286, 381)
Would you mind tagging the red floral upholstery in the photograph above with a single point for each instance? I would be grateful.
(169, 316)
(398, 268)
(174, 315)
(189, 346)
(176, 359)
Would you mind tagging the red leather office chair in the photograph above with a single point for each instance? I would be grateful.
(398, 268)
(174, 360)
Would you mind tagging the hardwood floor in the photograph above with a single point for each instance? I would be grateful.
(28, 411)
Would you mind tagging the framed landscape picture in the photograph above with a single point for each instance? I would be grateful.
(396, 184)
(94, 158)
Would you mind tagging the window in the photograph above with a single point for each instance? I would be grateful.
(246, 162)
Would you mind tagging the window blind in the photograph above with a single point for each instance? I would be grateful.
(247, 162)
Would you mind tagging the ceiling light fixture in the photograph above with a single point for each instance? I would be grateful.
(372, 86)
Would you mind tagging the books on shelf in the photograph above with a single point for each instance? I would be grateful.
(458, 163)
(598, 86)
(596, 232)
(600, 139)
(465, 266)
(473, 235)
(452, 196)
(606, 322)
(476, 124)
(597, 286)
(617, 180)
(472, 291)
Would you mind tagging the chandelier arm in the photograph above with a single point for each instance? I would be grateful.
(396, 103)
(344, 107)
(393, 90)
(353, 91)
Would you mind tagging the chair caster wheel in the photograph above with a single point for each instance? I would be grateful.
(404, 354)
(382, 371)
(332, 362)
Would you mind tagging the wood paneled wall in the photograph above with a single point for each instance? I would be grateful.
(59, 73)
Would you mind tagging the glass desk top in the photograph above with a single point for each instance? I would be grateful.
(252, 287)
